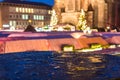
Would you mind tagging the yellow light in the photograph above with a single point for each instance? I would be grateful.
(23, 10)
(17, 9)
(108, 27)
(29, 21)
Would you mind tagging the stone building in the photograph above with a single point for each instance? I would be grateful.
(19, 14)
(99, 13)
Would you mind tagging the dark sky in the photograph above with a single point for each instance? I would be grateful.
(49, 2)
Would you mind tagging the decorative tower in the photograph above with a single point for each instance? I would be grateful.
(90, 16)
(59, 7)
(82, 24)
(54, 19)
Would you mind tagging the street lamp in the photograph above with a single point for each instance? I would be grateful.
(29, 21)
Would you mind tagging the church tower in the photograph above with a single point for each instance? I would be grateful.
(69, 11)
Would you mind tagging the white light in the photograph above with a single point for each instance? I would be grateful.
(108, 27)
(38, 29)
(60, 29)
(6, 26)
(12, 28)
(76, 35)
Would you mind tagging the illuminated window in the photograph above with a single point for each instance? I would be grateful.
(23, 10)
(17, 9)
(37, 17)
(31, 10)
(26, 10)
(34, 17)
(20, 9)
(49, 11)
(24, 16)
(12, 23)
(42, 17)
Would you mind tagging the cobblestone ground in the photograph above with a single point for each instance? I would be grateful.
(51, 66)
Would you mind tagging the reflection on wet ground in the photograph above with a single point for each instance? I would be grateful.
(51, 66)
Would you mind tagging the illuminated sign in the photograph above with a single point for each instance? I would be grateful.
(6, 26)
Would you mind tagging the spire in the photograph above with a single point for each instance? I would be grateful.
(90, 8)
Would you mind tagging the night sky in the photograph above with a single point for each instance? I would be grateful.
(49, 2)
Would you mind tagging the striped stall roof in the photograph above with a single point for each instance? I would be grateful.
(27, 35)
(114, 40)
(84, 42)
(55, 44)
(26, 45)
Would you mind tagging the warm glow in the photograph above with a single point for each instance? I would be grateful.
(23, 10)
(95, 59)
(29, 21)
(76, 35)
(108, 27)
(20, 9)
(17, 9)
(90, 50)
(31, 11)
(81, 25)
(68, 48)
(54, 19)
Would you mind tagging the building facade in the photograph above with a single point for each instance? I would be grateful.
(99, 13)
(20, 14)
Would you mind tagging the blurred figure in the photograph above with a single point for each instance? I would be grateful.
(30, 29)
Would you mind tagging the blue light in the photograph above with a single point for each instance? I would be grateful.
(1, 0)
(49, 2)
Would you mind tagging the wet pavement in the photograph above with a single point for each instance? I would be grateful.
(36, 65)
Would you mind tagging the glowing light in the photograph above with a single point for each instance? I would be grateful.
(82, 23)
(60, 29)
(12, 28)
(108, 27)
(112, 46)
(54, 19)
(29, 21)
(68, 48)
(76, 35)
(95, 59)
(90, 50)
